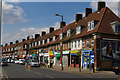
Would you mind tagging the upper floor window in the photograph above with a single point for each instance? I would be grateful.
(66, 45)
(54, 37)
(32, 44)
(72, 44)
(75, 44)
(60, 35)
(69, 45)
(83, 43)
(78, 43)
(116, 26)
(48, 40)
(92, 40)
(35, 43)
(25, 46)
(88, 42)
(43, 41)
(78, 30)
(92, 24)
(39, 42)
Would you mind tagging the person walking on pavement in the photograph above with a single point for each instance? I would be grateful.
(92, 62)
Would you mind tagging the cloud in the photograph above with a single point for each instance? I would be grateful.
(12, 14)
(112, 4)
(24, 32)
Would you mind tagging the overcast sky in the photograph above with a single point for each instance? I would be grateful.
(21, 19)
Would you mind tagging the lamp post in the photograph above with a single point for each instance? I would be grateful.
(61, 54)
(29, 45)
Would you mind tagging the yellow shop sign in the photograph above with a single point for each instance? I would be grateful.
(74, 51)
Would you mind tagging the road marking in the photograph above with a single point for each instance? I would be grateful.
(49, 76)
(5, 74)
(37, 72)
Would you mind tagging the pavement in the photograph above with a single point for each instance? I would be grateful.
(76, 70)
(16, 71)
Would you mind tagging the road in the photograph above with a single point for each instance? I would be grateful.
(19, 71)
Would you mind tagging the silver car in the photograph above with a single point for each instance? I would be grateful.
(34, 63)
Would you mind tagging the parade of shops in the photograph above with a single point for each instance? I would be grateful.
(93, 39)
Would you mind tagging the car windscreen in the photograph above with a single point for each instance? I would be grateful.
(34, 61)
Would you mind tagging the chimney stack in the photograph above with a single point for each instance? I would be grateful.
(101, 4)
(28, 37)
(37, 35)
(78, 17)
(23, 40)
(11, 43)
(62, 24)
(1, 45)
(51, 29)
(88, 11)
(43, 33)
(17, 41)
(6, 44)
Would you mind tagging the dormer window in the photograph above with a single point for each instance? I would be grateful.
(60, 35)
(116, 26)
(68, 33)
(92, 24)
(54, 37)
(78, 29)
(48, 40)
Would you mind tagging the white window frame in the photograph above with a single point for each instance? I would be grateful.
(48, 40)
(68, 33)
(54, 38)
(78, 29)
(60, 35)
(43, 41)
(39, 42)
(35, 43)
(79, 43)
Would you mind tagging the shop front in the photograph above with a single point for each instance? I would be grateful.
(66, 58)
(75, 58)
(51, 58)
(87, 59)
(41, 58)
(57, 58)
(46, 58)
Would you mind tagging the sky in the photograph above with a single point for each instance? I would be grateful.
(20, 19)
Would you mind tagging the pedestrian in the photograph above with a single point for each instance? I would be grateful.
(92, 62)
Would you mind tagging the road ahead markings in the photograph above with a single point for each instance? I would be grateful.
(49, 76)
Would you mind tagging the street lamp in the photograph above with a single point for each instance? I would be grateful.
(61, 54)
(29, 45)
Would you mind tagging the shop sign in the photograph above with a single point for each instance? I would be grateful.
(51, 53)
(46, 54)
(65, 52)
(41, 54)
(74, 51)
(79, 53)
(57, 55)
(33, 55)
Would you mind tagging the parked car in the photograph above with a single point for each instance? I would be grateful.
(17, 61)
(22, 61)
(4, 62)
(34, 63)
(12, 61)
(116, 67)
